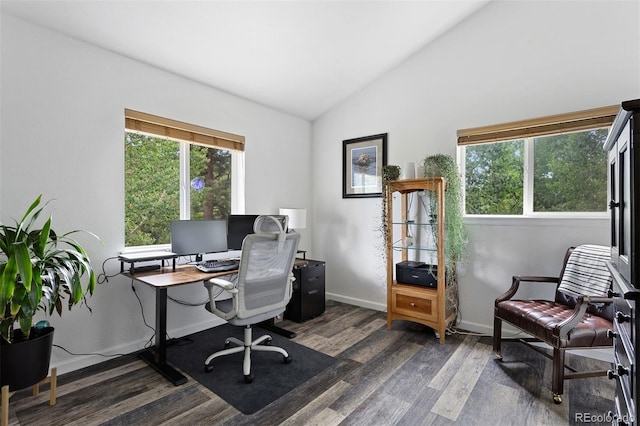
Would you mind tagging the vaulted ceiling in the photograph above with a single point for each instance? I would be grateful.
(300, 57)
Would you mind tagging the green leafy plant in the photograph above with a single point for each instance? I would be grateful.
(442, 165)
(39, 269)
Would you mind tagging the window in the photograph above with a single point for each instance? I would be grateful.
(550, 165)
(176, 170)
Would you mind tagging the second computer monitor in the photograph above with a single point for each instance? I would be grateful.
(238, 227)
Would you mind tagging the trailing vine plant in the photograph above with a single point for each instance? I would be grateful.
(442, 165)
(389, 173)
(456, 237)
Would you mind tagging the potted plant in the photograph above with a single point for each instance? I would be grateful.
(39, 270)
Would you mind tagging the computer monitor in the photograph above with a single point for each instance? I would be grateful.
(198, 237)
(238, 227)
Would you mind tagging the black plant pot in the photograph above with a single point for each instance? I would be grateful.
(26, 362)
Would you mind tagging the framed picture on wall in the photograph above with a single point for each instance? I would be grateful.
(362, 162)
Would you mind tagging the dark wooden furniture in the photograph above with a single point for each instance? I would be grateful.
(563, 323)
(308, 298)
(624, 181)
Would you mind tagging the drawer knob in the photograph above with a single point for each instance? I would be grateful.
(413, 305)
(622, 370)
(621, 317)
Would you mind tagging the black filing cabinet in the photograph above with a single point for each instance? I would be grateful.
(307, 300)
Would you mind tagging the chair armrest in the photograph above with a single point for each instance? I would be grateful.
(292, 278)
(563, 328)
(223, 284)
(515, 284)
(227, 286)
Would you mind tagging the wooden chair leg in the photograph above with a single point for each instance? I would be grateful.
(497, 337)
(557, 384)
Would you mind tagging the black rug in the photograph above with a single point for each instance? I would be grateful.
(272, 377)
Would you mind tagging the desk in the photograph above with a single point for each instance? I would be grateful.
(161, 279)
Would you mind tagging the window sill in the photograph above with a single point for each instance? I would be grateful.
(560, 221)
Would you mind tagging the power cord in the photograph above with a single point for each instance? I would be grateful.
(90, 353)
(103, 277)
(149, 342)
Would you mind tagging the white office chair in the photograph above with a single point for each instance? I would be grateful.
(262, 291)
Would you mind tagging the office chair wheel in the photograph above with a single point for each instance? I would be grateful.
(208, 368)
(248, 378)
(267, 342)
(227, 344)
(287, 359)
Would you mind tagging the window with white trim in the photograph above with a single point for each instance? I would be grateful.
(553, 165)
(176, 170)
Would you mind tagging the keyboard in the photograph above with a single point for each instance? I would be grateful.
(218, 265)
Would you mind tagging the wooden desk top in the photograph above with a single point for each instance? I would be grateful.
(167, 277)
(184, 274)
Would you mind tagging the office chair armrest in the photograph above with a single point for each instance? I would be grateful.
(515, 284)
(292, 278)
(223, 284)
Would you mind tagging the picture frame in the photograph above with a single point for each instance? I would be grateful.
(362, 162)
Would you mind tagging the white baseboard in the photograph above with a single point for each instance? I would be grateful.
(357, 302)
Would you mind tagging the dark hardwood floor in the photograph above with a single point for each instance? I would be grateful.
(401, 376)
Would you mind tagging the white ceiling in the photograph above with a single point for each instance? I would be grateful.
(300, 57)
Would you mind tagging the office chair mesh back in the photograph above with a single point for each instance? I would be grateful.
(265, 266)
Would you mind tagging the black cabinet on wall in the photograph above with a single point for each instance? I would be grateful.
(308, 298)
(624, 187)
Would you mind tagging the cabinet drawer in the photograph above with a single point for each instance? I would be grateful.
(624, 319)
(415, 303)
(308, 298)
(310, 277)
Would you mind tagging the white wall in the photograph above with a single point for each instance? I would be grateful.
(509, 61)
(62, 129)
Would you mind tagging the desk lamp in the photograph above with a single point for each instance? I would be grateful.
(297, 217)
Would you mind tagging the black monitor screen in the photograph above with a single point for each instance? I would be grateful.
(198, 237)
(238, 227)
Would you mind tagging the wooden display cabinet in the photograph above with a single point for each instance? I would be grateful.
(412, 302)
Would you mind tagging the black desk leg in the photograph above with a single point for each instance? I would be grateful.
(158, 358)
(270, 325)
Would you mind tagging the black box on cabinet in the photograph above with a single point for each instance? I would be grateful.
(308, 298)
(417, 273)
